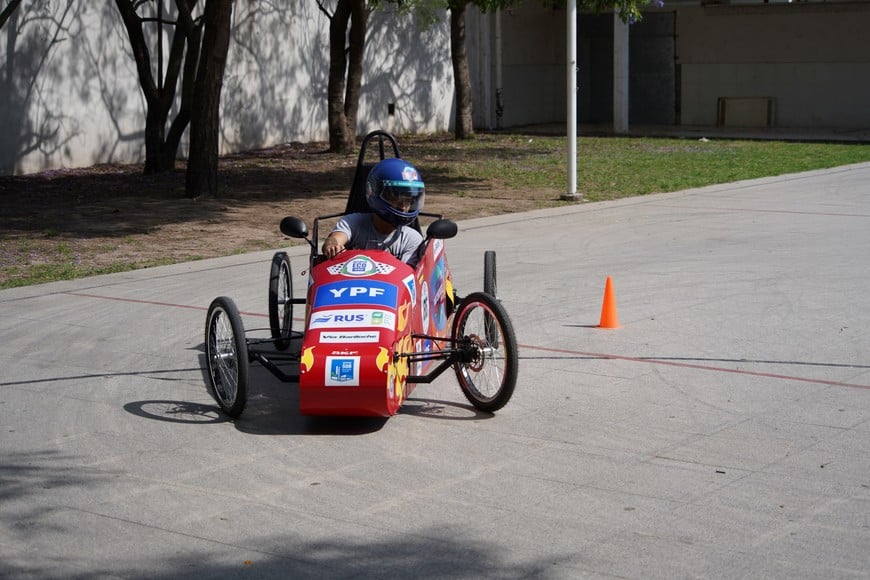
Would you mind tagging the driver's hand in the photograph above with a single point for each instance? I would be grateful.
(332, 247)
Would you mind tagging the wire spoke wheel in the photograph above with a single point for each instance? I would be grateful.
(487, 372)
(226, 356)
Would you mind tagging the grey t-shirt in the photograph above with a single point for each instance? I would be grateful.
(360, 230)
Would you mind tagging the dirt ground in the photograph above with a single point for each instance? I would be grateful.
(112, 216)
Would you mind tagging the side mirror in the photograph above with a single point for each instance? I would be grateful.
(442, 229)
(294, 227)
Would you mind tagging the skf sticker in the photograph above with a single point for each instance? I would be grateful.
(342, 371)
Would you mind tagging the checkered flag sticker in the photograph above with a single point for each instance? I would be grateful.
(360, 266)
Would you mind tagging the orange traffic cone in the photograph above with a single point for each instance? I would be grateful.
(609, 317)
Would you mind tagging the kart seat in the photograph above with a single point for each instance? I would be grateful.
(356, 199)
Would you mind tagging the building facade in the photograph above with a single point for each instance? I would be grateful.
(69, 93)
(741, 63)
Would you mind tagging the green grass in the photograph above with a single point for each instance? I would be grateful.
(528, 167)
(42, 273)
(608, 170)
(612, 168)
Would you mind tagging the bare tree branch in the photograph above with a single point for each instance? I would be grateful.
(7, 12)
(324, 10)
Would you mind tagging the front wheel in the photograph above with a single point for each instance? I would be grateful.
(280, 299)
(226, 355)
(487, 371)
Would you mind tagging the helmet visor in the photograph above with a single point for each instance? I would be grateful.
(405, 197)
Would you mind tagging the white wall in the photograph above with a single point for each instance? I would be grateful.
(69, 93)
(85, 105)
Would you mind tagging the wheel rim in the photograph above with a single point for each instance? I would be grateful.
(485, 371)
(224, 359)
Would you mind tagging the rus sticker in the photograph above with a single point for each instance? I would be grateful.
(356, 318)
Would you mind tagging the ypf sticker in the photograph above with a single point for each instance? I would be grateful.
(352, 293)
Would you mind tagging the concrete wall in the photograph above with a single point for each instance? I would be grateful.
(652, 85)
(534, 55)
(813, 59)
(69, 93)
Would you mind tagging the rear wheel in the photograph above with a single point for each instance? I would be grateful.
(487, 372)
(226, 355)
(280, 299)
(490, 285)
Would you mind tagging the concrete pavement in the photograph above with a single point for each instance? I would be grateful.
(722, 431)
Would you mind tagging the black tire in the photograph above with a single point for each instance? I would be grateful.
(226, 355)
(490, 284)
(488, 372)
(280, 300)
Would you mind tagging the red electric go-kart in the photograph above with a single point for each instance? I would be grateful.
(374, 327)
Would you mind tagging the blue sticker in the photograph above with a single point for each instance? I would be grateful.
(412, 288)
(342, 371)
(352, 293)
(439, 298)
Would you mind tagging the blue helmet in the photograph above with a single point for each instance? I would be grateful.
(394, 191)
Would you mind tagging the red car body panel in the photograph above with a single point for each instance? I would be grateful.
(363, 308)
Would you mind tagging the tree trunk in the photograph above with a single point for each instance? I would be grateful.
(160, 150)
(345, 72)
(189, 43)
(358, 24)
(183, 53)
(338, 137)
(11, 115)
(155, 123)
(202, 162)
(464, 126)
(155, 119)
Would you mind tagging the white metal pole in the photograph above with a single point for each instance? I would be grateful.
(571, 94)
